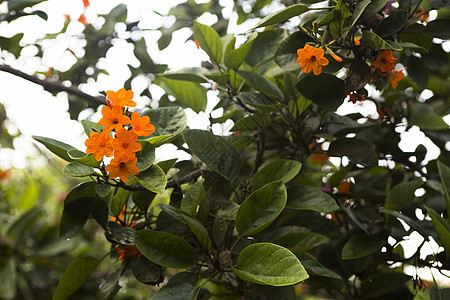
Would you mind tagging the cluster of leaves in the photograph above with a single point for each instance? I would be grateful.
(253, 213)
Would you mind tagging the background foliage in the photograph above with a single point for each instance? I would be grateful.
(296, 201)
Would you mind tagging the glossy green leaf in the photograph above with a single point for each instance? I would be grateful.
(282, 15)
(165, 249)
(237, 56)
(77, 169)
(215, 151)
(372, 40)
(325, 90)
(209, 40)
(191, 94)
(361, 245)
(429, 121)
(152, 179)
(374, 7)
(83, 158)
(442, 228)
(261, 208)
(83, 190)
(286, 55)
(57, 147)
(252, 122)
(146, 271)
(357, 150)
(168, 122)
(74, 216)
(383, 283)
(360, 7)
(74, 277)
(300, 242)
(119, 234)
(90, 126)
(310, 198)
(269, 264)
(145, 157)
(401, 194)
(444, 172)
(262, 84)
(260, 101)
(281, 169)
(315, 268)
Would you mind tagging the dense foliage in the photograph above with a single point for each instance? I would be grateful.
(297, 200)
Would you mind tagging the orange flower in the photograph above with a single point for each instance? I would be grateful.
(125, 143)
(385, 61)
(113, 118)
(357, 41)
(344, 187)
(336, 58)
(396, 76)
(128, 251)
(122, 166)
(318, 158)
(141, 125)
(100, 144)
(82, 20)
(86, 3)
(121, 98)
(311, 59)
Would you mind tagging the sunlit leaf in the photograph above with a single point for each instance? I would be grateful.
(152, 179)
(209, 41)
(282, 15)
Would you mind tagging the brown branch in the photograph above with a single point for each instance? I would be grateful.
(54, 86)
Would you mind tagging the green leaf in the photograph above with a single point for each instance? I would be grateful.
(252, 122)
(261, 208)
(269, 264)
(361, 245)
(145, 157)
(237, 56)
(444, 172)
(215, 151)
(209, 41)
(77, 169)
(120, 234)
(265, 46)
(325, 90)
(175, 291)
(442, 228)
(146, 271)
(260, 101)
(83, 190)
(111, 285)
(191, 94)
(360, 7)
(286, 55)
(165, 249)
(310, 198)
(428, 121)
(220, 228)
(74, 216)
(168, 122)
(439, 293)
(83, 158)
(414, 224)
(90, 126)
(401, 194)
(281, 169)
(8, 274)
(219, 78)
(372, 40)
(119, 200)
(315, 268)
(57, 147)
(152, 179)
(74, 277)
(374, 7)
(184, 76)
(262, 84)
(196, 227)
(357, 150)
(439, 28)
(282, 15)
(300, 242)
(383, 283)
(392, 24)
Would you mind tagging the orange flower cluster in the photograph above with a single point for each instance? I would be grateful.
(311, 59)
(385, 67)
(128, 251)
(123, 144)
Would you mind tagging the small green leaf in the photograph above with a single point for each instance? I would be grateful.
(429, 121)
(300, 242)
(103, 189)
(237, 56)
(146, 271)
(168, 122)
(262, 84)
(325, 90)
(261, 208)
(90, 126)
(74, 277)
(83, 190)
(191, 94)
(442, 228)
(252, 122)
(215, 151)
(209, 40)
(119, 234)
(360, 7)
(74, 216)
(401, 194)
(286, 55)
(269, 264)
(444, 172)
(372, 40)
(281, 169)
(282, 15)
(165, 249)
(393, 23)
(260, 101)
(83, 158)
(361, 245)
(374, 7)
(357, 150)
(184, 76)
(152, 179)
(57, 147)
(77, 169)
(310, 198)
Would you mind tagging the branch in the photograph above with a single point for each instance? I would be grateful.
(54, 86)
